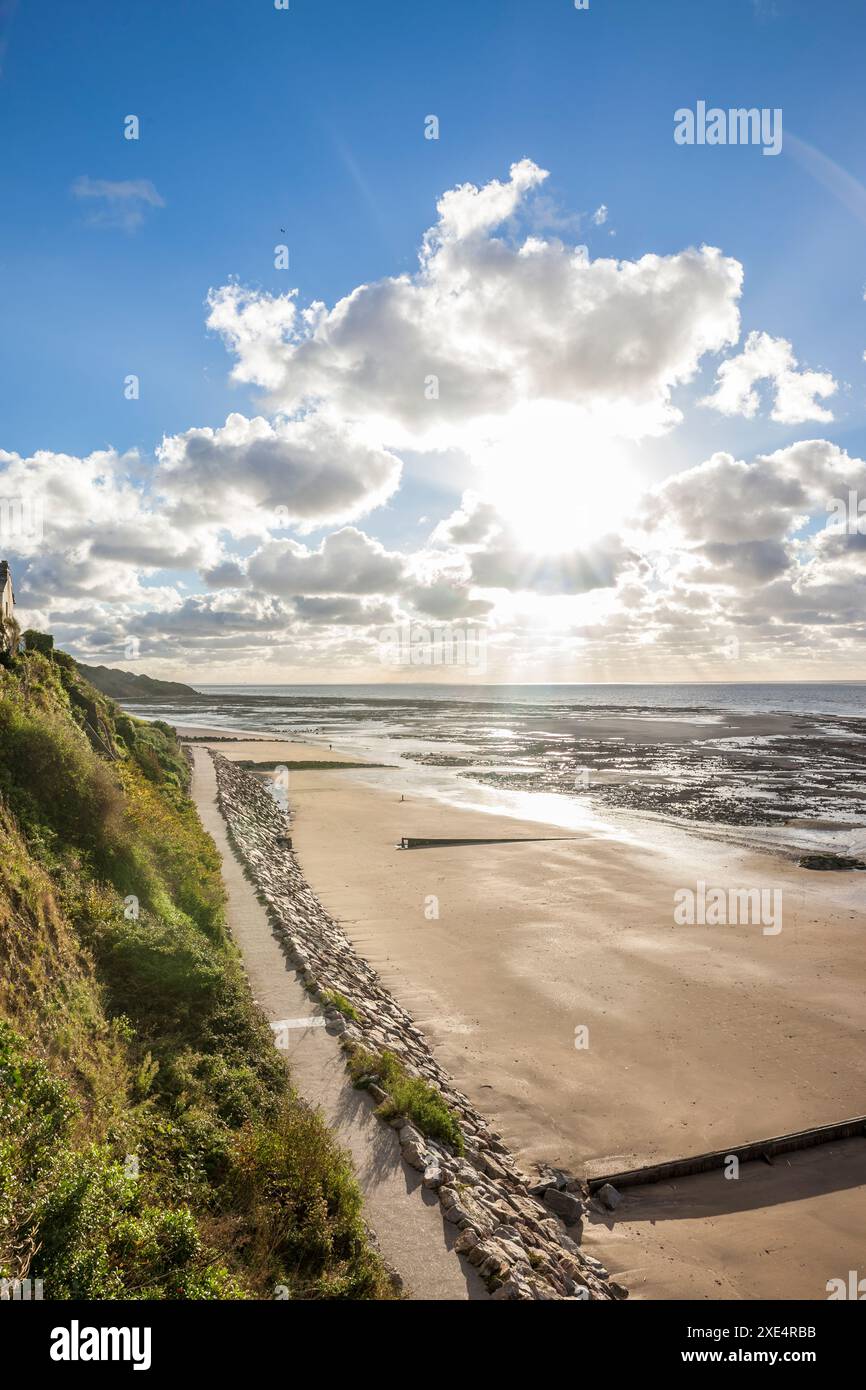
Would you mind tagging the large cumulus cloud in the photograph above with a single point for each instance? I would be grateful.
(83, 526)
(729, 501)
(255, 474)
(347, 562)
(494, 323)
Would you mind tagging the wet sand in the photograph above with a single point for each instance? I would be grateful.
(649, 728)
(699, 1037)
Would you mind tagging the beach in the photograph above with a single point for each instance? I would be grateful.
(697, 1037)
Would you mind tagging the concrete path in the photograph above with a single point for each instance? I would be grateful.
(407, 1219)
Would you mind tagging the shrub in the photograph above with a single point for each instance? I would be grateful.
(340, 1002)
(304, 1207)
(38, 641)
(133, 1033)
(408, 1095)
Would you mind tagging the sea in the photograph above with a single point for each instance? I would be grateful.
(276, 703)
(588, 756)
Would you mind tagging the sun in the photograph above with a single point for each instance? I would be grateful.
(557, 478)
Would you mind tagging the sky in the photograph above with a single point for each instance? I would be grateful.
(407, 342)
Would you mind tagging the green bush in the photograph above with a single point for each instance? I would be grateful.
(409, 1095)
(304, 1207)
(127, 1029)
(38, 641)
(340, 1002)
(51, 778)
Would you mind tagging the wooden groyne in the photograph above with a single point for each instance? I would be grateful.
(764, 1149)
(413, 842)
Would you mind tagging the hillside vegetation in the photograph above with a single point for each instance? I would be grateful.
(127, 685)
(150, 1143)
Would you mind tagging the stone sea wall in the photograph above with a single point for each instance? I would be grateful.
(510, 1226)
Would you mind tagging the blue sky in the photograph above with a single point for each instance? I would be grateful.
(312, 120)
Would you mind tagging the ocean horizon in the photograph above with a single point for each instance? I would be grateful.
(807, 697)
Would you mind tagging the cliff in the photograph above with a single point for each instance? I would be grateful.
(126, 685)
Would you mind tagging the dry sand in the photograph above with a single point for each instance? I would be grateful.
(777, 1232)
(699, 1037)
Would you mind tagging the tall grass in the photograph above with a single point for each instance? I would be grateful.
(151, 1145)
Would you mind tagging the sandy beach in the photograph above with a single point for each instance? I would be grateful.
(778, 1232)
(699, 1037)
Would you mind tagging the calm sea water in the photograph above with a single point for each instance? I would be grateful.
(818, 698)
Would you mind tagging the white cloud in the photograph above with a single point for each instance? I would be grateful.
(254, 326)
(343, 611)
(466, 211)
(447, 599)
(487, 325)
(721, 548)
(496, 558)
(741, 529)
(474, 522)
(347, 562)
(772, 360)
(96, 529)
(727, 500)
(508, 566)
(251, 475)
(117, 204)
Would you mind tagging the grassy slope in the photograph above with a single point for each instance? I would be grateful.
(150, 1143)
(126, 685)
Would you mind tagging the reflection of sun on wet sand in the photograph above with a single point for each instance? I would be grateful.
(698, 1036)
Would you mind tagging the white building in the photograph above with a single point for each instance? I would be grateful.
(7, 593)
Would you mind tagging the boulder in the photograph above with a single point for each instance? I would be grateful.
(415, 1155)
(466, 1241)
(512, 1290)
(457, 1215)
(565, 1204)
(609, 1197)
